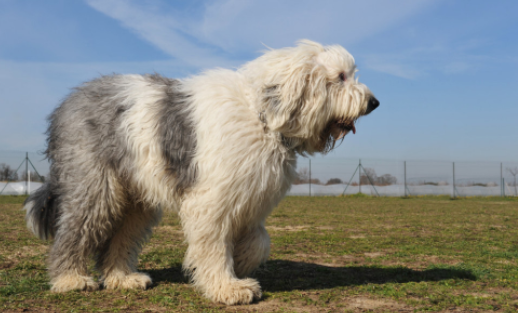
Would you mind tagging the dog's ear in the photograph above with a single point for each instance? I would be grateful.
(299, 84)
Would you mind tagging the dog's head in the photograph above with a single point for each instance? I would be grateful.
(309, 94)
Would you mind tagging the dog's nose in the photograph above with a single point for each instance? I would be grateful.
(372, 105)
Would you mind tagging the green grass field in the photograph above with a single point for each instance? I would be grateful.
(329, 254)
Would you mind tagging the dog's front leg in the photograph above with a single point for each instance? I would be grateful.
(209, 257)
(251, 248)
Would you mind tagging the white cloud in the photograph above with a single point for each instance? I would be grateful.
(393, 67)
(240, 26)
(161, 30)
(416, 62)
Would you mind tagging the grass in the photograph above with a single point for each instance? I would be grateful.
(329, 254)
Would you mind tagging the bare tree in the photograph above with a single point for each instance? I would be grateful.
(34, 177)
(368, 176)
(302, 176)
(514, 172)
(334, 181)
(7, 173)
(386, 179)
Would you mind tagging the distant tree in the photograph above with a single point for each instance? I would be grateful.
(34, 177)
(386, 179)
(334, 181)
(514, 172)
(302, 176)
(368, 175)
(316, 181)
(7, 173)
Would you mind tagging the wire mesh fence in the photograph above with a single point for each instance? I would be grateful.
(22, 172)
(337, 176)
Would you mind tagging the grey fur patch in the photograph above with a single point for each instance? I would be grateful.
(90, 189)
(176, 129)
(42, 212)
(94, 111)
(271, 98)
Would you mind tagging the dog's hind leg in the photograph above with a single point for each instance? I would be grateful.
(89, 206)
(68, 259)
(251, 249)
(118, 259)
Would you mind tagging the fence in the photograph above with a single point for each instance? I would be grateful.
(21, 172)
(332, 176)
(337, 176)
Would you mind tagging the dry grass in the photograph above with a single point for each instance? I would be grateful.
(329, 254)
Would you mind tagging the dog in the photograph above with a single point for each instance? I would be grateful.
(219, 148)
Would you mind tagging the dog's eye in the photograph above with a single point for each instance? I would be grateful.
(342, 77)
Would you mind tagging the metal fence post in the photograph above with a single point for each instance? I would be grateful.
(360, 176)
(310, 177)
(501, 181)
(404, 166)
(453, 180)
(27, 173)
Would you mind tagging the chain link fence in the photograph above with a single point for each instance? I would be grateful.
(330, 176)
(337, 176)
(21, 172)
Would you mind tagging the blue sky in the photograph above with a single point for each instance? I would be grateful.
(446, 72)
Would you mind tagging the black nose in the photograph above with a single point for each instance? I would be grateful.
(372, 105)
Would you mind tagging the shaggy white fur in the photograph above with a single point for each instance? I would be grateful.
(219, 148)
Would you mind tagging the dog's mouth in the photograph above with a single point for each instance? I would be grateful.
(340, 128)
(336, 130)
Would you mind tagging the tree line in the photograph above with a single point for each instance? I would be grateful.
(367, 177)
(9, 174)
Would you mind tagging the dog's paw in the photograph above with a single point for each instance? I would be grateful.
(67, 282)
(131, 281)
(242, 291)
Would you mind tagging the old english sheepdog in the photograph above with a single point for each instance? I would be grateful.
(218, 148)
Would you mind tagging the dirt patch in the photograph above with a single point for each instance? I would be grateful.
(307, 256)
(490, 292)
(433, 259)
(19, 255)
(356, 303)
(298, 228)
(365, 303)
(33, 250)
(374, 254)
(357, 236)
(421, 262)
(479, 295)
(506, 262)
(288, 228)
(324, 228)
(7, 265)
(265, 306)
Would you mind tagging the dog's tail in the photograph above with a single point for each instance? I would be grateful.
(41, 212)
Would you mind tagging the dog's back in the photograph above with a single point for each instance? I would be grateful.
(104, 142)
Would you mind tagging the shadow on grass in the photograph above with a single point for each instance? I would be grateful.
(172, 274)
(280, 275)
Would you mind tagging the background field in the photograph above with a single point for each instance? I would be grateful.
(328, 254)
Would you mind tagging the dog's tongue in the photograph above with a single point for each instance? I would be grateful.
(354, 129)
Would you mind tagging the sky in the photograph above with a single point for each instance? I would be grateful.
(445, 72)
